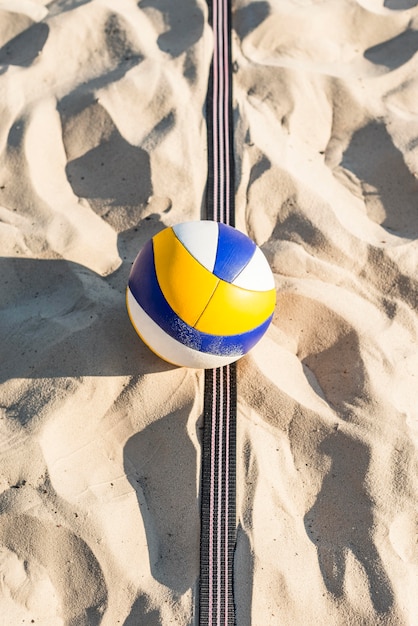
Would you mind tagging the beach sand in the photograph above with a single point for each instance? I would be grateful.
(103, 144)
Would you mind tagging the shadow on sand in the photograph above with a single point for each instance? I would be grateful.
(341, 521)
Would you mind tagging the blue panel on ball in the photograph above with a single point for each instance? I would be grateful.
(229, 345)
(144, 286)
(234, 252)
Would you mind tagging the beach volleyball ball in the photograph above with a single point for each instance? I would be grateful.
(201, 294)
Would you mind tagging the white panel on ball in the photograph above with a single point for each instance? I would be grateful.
(200, 239)
(256, 275)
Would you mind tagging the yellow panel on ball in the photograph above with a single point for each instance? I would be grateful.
(186, 284)
(234, 310)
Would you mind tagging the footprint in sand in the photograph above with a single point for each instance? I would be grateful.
(327, 344)
(388, 187)
(49, 567)
(171, 526)
(342, 518)
(27, 591)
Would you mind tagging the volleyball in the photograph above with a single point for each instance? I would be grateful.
(200, 294)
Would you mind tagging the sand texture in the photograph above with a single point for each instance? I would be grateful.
(102, 144)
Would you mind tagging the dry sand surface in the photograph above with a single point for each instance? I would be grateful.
(102, 144)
